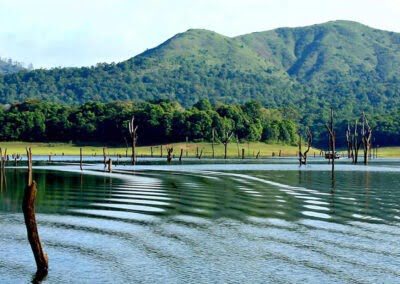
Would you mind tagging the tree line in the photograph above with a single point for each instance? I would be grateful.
(158, 122)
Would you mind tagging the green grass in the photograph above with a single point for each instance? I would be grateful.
(251, 149)
(389, 152)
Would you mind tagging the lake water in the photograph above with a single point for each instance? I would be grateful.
(207, 223)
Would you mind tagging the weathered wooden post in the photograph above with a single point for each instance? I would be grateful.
(134, 137)
(242, 153)
(197, 151)
(28, 208)
(161, 151)
(151, 151)
(80, 159)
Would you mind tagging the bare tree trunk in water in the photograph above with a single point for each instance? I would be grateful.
(332, 146)
(28, 208)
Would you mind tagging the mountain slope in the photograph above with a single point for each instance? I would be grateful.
(315, 52)
(342, 64)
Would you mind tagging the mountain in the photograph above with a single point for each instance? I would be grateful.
(7, 66)
(342, 64)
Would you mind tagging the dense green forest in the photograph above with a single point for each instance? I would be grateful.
(161, 122)
(340, 64)
(165, 122)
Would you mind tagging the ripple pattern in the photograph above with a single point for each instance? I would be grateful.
(202, 227)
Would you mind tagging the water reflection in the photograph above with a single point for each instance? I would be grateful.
(206, 226)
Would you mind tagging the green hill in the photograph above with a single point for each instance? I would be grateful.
(342, 64)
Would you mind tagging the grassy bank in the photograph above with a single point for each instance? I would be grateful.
(251, 149)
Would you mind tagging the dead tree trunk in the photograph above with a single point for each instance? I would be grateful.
(201, 153)
(134, 137)
(109, 163)
(349, 143)
(104, 157)
(366, 133)
(332, 146)
(242, 153)
(356, 143)
(303, 156)
(258, 155)
(180, 156)
(225, 141)
(169, 154)
(28, 208)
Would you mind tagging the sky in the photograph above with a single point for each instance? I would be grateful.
(54, 33)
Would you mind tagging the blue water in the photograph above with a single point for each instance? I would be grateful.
(207, 223)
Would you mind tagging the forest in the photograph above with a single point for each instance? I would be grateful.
(167, 121)
(158, 122)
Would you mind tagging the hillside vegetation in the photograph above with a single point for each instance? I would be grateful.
(341, 64)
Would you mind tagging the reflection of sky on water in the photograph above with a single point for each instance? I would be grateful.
(217, 223)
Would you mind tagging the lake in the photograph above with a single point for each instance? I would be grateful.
(207, 222)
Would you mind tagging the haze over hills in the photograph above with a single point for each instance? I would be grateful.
(7, 66)
(342, 64)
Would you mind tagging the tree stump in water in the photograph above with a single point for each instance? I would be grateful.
(28, 207)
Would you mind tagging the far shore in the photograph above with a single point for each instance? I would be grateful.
(191, 149)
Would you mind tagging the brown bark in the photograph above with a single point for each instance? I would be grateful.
(28, 208)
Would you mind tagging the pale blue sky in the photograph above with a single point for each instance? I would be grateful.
(50, 33)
